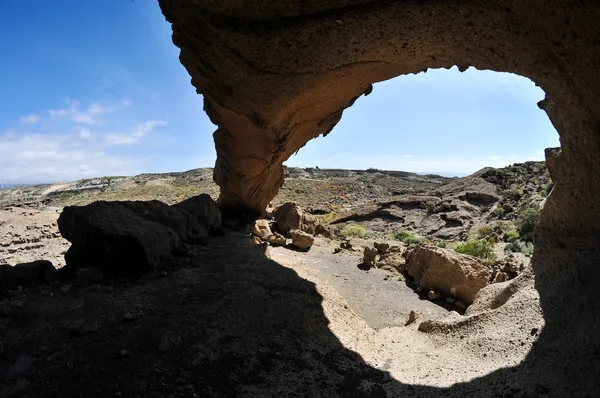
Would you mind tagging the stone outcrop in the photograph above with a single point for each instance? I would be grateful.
(110, 236)
(447, 272)
(128, 238)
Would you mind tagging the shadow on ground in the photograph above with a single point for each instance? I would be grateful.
(234, 323)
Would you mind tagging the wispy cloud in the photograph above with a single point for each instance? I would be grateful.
(72, 143)
(409, 156)
(135, 136)
(494, 157)
(30, 119)
(88, 116)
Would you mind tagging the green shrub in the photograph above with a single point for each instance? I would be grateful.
(512, 235)
(354, 231)
(401, 235)
(485, 231)
(479, 248)
(409, 239)
(519, 246)
(526, 223)
(441, 243)
(516, 193)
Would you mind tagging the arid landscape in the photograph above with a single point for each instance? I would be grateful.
(352, 284)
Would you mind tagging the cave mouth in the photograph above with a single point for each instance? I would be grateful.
(274, 77)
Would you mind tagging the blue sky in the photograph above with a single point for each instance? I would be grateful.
(95, 88)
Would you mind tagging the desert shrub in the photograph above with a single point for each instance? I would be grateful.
(354, 231)
(441, 243)
(400, 235)
(498, 211)
(512, 235)
(485, 231)
(519, 246)
(414, 240)
(409, 238)
(527, 221)
(516, 193)
(479, 248)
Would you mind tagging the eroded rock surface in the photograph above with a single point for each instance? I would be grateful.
(451, 273)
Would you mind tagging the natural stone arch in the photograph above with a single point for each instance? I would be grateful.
(276, 74)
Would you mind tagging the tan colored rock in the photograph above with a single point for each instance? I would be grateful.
(369, 256)
(447, 272)
(301, 239)
(393, 260)
(255, 240)
(277, 239)
(288, 217)
(262, 229)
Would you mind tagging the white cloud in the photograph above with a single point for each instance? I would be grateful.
(134, 137)
(30, 119)
(36, 158)
(71, 144)
(494, 157)
(409, 156)
(90, 116)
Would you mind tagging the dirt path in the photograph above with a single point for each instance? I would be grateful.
(377, 296)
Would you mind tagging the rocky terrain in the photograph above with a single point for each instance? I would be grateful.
(164, 298)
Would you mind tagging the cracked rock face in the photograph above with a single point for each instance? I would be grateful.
(276, 74)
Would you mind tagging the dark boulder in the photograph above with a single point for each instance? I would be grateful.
(204, 209)
(26, 274)
(120, 238)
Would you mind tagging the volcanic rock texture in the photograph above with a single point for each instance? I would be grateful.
(275, 74)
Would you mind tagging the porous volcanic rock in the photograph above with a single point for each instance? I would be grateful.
(444, 270)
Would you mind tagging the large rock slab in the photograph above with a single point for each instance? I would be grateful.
(115, 238)
(448, 272)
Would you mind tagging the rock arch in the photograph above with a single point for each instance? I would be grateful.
(275, 74)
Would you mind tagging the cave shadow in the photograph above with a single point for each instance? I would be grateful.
(241, 324)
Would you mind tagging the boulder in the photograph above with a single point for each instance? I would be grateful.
(288, 217)
(116, 239)
(393, 260)
(262, 229)
(382, 248)
(204, 209)
(26, 274)
(448, 272)
(301, 239)
(369, 256)
(186, 226)
(277, 239)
